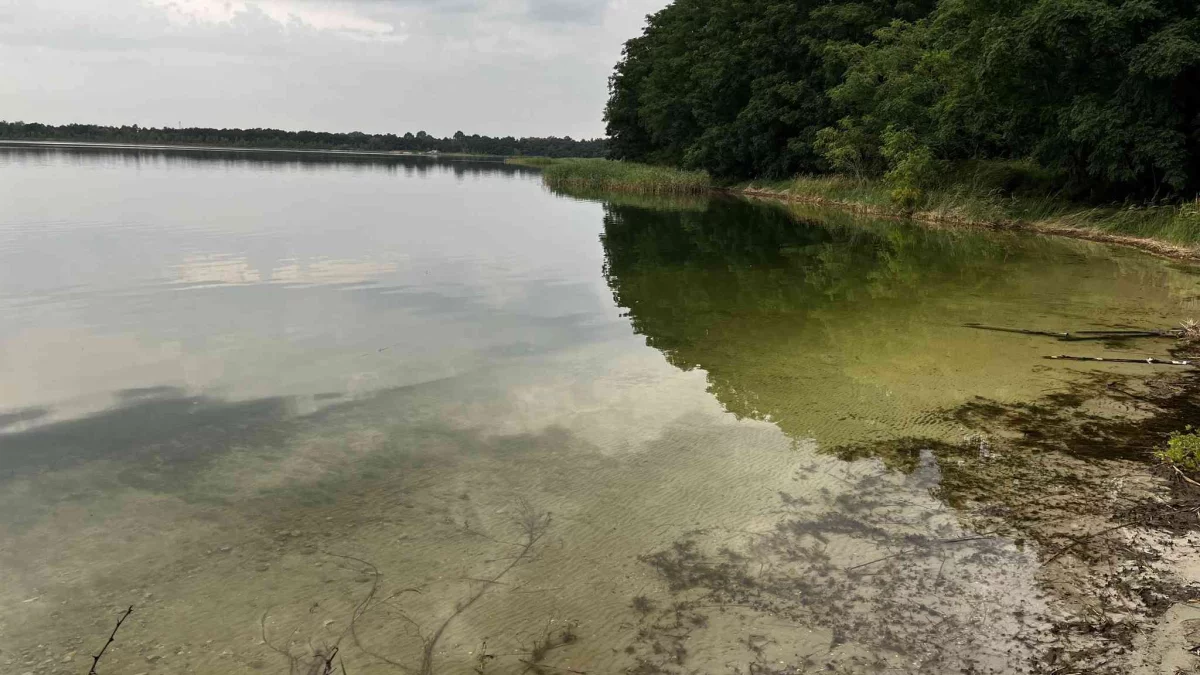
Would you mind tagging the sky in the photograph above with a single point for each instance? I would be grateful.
(494, 67)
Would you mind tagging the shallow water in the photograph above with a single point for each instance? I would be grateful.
(432, 414)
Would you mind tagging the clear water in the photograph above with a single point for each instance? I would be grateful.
(430, 414)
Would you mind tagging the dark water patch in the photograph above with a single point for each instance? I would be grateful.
(159, 439)
(24, 415)
(1082, 422)
(157, 392)
(259, 160)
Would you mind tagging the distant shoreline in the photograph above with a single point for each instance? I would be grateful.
(227, 148)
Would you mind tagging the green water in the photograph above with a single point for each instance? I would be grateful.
(431, 413)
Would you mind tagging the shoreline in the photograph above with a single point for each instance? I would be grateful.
(1146, 244)
(1049, 216)
(229, 148)
(1051, 227)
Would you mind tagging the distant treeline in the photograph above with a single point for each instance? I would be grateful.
(1094, 98)
(306, 140)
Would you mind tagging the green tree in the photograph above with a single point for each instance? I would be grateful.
(1105, 92)
(737, 87)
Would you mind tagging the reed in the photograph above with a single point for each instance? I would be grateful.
(960, 199)
(608, 175)
(535, 162)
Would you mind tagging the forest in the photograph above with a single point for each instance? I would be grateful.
(1094, 100)
(306, 140)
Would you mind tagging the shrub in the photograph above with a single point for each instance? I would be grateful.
(913, 168)
(1183, 450)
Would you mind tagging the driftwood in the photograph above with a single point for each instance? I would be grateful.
(111, 637)
(1105, 359)
(1083, 335)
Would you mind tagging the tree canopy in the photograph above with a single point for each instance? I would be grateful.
(307, 140)
(1103, 94)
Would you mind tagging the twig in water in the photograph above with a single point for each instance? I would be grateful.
(534, 526)
(1081, 335)
(1076, 542)
(329, 662)
(113, 636)
(910, 550)
(531, 664)
(1151, 360)
(1022, 331)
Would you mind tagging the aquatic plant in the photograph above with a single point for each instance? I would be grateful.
(537, 162)
(602, 174)
(548, 641)
(1183, 450)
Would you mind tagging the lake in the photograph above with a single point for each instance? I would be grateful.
(436, 417)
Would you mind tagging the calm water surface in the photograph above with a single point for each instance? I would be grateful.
(437, 417)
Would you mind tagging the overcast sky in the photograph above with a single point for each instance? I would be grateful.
(498, 67)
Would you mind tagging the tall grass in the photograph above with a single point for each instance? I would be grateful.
(536, 162)
(607, 175)
(970, 198)
(983, 193)
(689, 201)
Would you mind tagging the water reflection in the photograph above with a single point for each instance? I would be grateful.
(259, 276)
(283, 408)
(259, 160)
(853, 334)
(847, 331)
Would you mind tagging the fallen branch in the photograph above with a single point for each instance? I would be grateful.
(1082, 335)
(1105, 359)
(113, 636)
(1183, 475)
(535, 666)
(534, 526)
(1076, 542)
(329, 663)
(1022, 331)
(989, 535)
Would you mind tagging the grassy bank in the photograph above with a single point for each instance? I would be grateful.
(997, 195)
(601, 175)
(978, 202)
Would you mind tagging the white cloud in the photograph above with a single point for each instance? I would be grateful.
(522, 67)
(340, 19)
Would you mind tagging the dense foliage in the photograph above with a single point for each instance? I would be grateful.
(1101, 97)
(306, 140)
(737, 87)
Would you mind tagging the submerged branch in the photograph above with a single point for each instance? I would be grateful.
(1082, 335)
(1085, 539)
(988, 535)
(111, 638)
(1107, 359)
